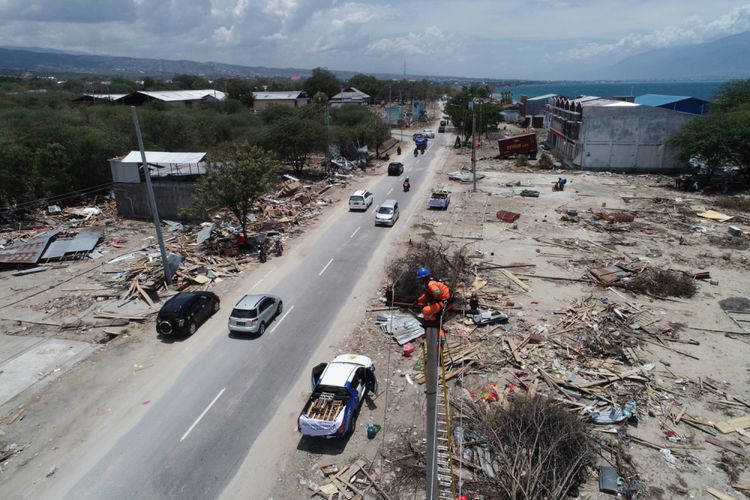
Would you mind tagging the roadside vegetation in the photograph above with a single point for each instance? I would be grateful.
(717, 141)
(53, 147)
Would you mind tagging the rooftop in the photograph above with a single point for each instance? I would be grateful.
(662, 100)
(284, 94)
(183, 95)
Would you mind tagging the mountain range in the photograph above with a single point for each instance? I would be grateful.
(720, 59)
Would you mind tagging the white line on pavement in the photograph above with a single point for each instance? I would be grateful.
(282, 319)
(202, 415)
(325, 267)
(260, 280)
(389, 192)
(355, 232)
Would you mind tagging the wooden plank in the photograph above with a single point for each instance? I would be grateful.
(733, 424)
(726, 446)
(718, 494)
(515, 280)
(375, 484)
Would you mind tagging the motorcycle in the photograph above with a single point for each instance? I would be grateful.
(407, 186)
(262, 254)
(278, 248)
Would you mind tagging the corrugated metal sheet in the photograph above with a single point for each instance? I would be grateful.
(27, 252)
(658, 99)
(265, 96)
(163, 158)
(85, 241)
(183, 95)
(106, 97)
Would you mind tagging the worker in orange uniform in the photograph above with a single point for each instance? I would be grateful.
(436, 295)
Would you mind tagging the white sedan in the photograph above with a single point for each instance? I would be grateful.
(428, 133)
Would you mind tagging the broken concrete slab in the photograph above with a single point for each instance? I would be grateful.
(36, 361)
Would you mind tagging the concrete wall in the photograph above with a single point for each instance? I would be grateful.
(628, 139)
(132, 201)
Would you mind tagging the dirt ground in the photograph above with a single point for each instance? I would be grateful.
(683, 360)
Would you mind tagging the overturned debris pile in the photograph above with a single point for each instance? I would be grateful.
(530, 447)
(662, 283)
(446, 265)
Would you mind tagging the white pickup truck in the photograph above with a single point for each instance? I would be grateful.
(338, 389)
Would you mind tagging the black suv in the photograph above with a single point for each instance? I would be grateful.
(395, 168)
(185, 312)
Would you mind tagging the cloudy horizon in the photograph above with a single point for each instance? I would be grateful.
(532, 39)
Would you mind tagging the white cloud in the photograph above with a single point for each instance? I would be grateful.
(409, 44)
(691, 31)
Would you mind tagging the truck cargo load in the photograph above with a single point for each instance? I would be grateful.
(524, 144)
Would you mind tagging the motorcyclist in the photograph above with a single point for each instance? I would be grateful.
(278, 248)
(416, 152)
(407, 184)
(262, 253)
(398, 150)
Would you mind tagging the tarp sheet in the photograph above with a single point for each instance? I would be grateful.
(314, 427)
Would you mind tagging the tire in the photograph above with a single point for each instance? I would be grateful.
(280, 308)
(192, 328)
(262, 328)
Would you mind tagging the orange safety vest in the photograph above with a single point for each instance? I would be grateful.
(438, 291)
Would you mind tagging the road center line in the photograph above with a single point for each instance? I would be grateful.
(355, 232)
(282, 319)
(389, 192)
(202, 415)
(325, 267)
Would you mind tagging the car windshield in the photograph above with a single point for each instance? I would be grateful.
(356, 199)
(244, 313)
(385, 210)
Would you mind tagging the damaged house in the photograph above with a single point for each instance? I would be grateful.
(173, 176)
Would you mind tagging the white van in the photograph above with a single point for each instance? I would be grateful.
(387, 213)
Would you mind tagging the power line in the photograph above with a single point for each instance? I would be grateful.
(58, 197)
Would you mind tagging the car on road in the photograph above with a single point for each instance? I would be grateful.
(185, 312)
(395, 168)
(253, 313)
(387, 213)
(361, 200)
(418, 135)
(428, 133)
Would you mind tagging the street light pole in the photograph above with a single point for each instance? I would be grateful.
(152, 200)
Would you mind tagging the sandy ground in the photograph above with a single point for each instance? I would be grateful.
(666, 234)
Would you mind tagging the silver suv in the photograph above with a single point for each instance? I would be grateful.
(253, 313)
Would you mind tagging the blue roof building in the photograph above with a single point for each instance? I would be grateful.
(685, 104)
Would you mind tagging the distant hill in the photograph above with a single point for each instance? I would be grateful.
(721, 59)
(52, 62)
(46, 61)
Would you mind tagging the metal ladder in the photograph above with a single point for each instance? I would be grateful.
(446, 486)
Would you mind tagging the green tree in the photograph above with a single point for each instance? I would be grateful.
(240, 90)
(719, 138)
(294, 138)
(238, 180)
(324, 81)
(486, 112)
(190, 82)
(369, 85)
(356, 126)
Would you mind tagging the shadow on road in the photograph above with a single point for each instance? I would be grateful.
(322, 446)
(244, 336)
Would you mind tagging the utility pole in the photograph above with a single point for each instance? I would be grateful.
(152, 200)
(431, 388)
(473, 147)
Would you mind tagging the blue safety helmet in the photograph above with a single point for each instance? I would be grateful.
(423, 272)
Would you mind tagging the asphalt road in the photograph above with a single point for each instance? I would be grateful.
(192, 441)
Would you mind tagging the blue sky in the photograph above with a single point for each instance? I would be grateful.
(537, 39)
